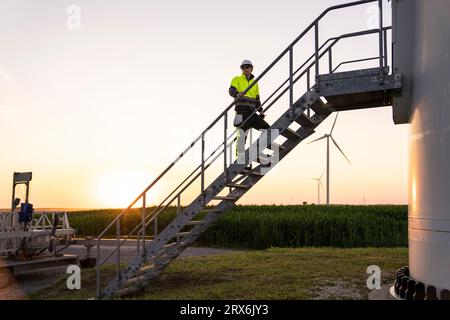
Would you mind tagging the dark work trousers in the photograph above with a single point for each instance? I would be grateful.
(250, 120)
(254, 121)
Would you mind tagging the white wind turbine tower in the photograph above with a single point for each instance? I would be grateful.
(319, 184)
(328, 137)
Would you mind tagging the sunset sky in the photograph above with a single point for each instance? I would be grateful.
(96, 110)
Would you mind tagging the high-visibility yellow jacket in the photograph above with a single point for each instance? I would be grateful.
(251, 99)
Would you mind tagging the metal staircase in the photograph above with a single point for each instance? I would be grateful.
(332, 91)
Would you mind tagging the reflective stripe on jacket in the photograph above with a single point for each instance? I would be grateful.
(251, 99)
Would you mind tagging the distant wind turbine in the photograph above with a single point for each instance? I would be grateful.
(328, 137)
(319, 184)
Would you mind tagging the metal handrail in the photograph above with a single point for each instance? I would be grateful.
(354, 61)
(317, 55)
(336, 39)
(324, 13)
(158, 209)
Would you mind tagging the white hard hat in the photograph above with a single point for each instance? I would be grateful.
(246, 62)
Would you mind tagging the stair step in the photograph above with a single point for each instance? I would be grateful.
(320, 108)
(145, 270)
(136, 280)
(186, 233)
(171, 255)
(168, 246)
(305, 122)
(251, 172)
(180, 244)
(196, 222)
(291, 134)
(237, 185)
(126, 291)
(265, 160)
(225, 198)
(279, 146)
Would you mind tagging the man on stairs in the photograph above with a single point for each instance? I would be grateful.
(246, 104)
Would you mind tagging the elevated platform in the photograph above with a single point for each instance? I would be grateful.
(359, 89)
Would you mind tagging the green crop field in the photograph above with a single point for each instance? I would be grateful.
(261, 227)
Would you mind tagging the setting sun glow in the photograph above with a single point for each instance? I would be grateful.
(117, 189)
(97, 113)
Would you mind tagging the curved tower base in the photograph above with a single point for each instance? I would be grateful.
(422, 55)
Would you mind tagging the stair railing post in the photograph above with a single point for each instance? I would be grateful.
(230, 153)
(250, 149)
(308, 79)
(138, 243)
(380, 36)
(203, 170)
(316, 51)
(98, 268)
(178, 213)
(385, 48)
(118, 251)
(330, 60)
(231, 158)
(291, 81)
(225, 125)
(144, 206)
(308, 85)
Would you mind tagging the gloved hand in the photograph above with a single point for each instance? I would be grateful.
(261, 112)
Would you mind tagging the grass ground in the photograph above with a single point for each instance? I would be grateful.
(303, 273)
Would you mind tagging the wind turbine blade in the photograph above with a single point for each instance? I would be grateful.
(321, 184)
(334, 124)
(317, 139)
(335, 143)
(321, 176)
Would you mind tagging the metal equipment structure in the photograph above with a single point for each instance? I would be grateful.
(327, 91)
(29, 239)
